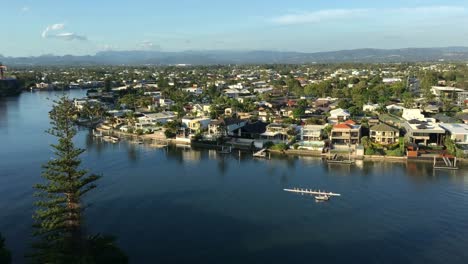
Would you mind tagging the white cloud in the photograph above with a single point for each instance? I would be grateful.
(69, 36)
(147, 45)
(317, 16)
(49, 33)
(25, 9)
(340, 14)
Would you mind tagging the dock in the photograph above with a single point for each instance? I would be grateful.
(449, 165)
(261, 153)
(335, 159)
(312, 192)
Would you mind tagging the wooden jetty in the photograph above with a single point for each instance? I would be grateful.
(339, 160)
(261, 154)
(312, 192)
(449, 165)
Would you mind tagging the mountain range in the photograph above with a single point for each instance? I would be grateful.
(245, 57)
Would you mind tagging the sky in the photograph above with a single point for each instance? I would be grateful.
(85, 27)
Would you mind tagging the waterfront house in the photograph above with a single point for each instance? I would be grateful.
(154, 119)
(311, 132)
(253, 130)
(457, 132)
(384, 134)
(423, 132)
(278, 133)
(345, 133)
(311, 137)
(226, 126)
(196, 124)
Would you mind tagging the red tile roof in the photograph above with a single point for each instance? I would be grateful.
(342, 126)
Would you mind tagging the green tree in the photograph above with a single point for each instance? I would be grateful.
(108, 85)
(58, 219)
(5, 254)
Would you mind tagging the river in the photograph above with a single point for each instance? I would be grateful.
(180, 205)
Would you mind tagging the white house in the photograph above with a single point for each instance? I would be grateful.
(457, 132)
(339, 114)
(411, 114)
(370, 107)
(311, 137)
(446, 91)
(155, 118)
(263, 90)
(391, 80)
(193, 90)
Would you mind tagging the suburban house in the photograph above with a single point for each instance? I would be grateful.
(312, 132)
(154, 119)
(457, 132)
(201, 109)
(196, 124)
(311, 137)
(193, 90)
(444, 91)
(277, 133)
(345, 133)
(423, 132)
(253, 130)
(339, 115)
(384, 134)
(370, 107)
(413, 114)
(226, 126)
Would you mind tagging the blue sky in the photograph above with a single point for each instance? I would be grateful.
(86, 27)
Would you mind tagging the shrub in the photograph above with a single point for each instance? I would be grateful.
(268, 144)
(280, 146)
(169, 134)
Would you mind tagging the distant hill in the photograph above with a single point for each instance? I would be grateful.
(246, 57)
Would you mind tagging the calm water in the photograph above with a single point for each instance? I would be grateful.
(195, 206)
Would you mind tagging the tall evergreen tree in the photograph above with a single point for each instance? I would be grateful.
(5, 254)
(58, 219)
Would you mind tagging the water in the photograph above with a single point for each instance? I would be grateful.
(196, 206)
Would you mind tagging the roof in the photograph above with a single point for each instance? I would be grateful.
(339, 111)
(383, 127)
(444, 118)
(342, 126)
(270, 134)
(255, 128)
(230, 121)
(455, 128)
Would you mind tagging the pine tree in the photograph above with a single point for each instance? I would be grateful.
(5, 254)
(58, 219)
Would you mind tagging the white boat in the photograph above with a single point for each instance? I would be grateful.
(322, 198)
